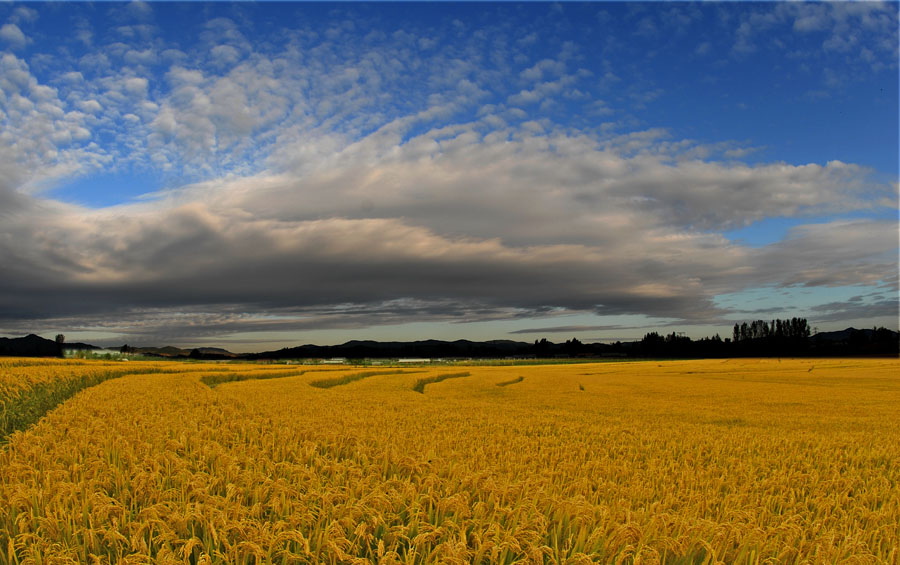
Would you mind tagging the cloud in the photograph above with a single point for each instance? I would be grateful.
(426, 43)
(40, 134)
(139, 10)
(84, 34)
(812, 18)
(837, 253)
(24, 14)
(223, 55)
(856, 311)
(71, 77)
(541, 91)
(224, 30)
(11, 34)
(90, 106)
(860, 31)
(307, 264)
(542, 68)
(569, 329)
(136, 86)
(140, 57)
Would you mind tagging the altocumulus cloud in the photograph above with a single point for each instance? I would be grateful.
(315, 195)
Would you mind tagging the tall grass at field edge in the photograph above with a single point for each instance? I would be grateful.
(24, 410)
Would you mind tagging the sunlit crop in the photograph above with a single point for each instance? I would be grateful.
(734, 461)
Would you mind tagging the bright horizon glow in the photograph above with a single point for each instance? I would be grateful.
(259, 176)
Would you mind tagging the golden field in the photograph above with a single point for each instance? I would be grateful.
(734, 461)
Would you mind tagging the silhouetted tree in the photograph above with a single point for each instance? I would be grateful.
(573, 346)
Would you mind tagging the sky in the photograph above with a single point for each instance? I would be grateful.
(258, 176)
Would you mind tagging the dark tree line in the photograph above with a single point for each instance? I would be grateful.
(776, 338)
(679, 345)
(759, 338)
(795, 328)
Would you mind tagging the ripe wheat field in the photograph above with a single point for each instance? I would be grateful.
(719, 461)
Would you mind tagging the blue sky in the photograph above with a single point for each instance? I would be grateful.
(269, 174)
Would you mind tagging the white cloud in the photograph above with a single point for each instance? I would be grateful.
(139, 10)
(630, 178)
(84, 35)
(543, 68)
(136, 86)
(24, 14)
(541, 91)
(11, 34)
(851, 28)
(39, 134)
(96, 62)
(174, 55)
(426, 43)
(224, 55)
(72, 77)
(600, 108)
(142, 57)
(812, 18)
(525, 97)
(90, 106)
(224, 30)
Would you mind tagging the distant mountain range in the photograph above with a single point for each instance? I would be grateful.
(430, 348)
(172, 351)
(845, 335)
(29, 346)
(850, 341)
(36, 346)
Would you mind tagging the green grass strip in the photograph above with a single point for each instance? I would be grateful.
(214, 380)
(30, 406)
(420, 384)
(512, 382)
(347, 379)
(25, 409)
